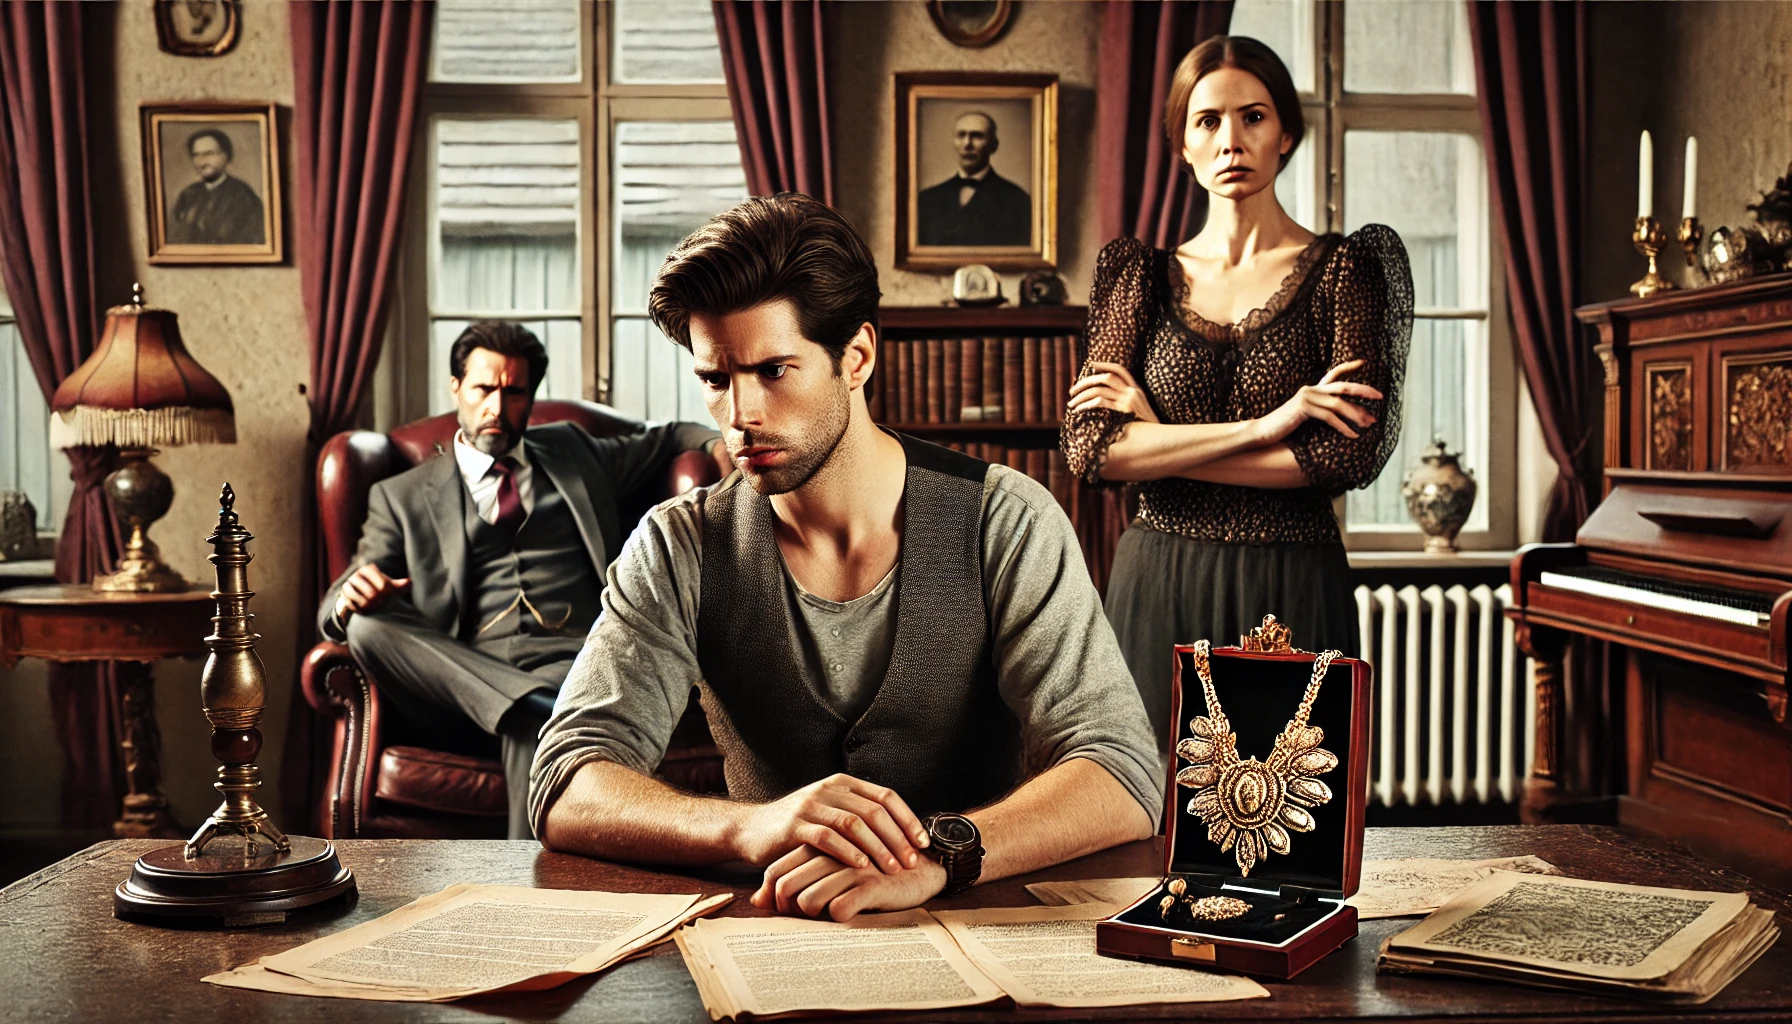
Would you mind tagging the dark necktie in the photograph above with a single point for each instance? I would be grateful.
(510, 503)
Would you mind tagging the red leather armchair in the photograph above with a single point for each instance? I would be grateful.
(378, 791)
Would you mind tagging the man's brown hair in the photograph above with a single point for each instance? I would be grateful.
(1245, 54)
(506, 338)
(786, 246)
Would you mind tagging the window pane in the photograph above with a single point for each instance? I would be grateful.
(1406, 46)
(1295, 188)
(27, 462)
(506, 212)
(562, 338)
(671, 177)
(1285, 26)
(1431, 188)
(665, 41)
(1446, 397)
(650, 376)
(506, 41)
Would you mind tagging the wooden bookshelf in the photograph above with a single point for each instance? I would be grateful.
(1022, 360)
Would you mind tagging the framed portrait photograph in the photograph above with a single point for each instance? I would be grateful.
(197, 28)
(976, 170)
(212, 181)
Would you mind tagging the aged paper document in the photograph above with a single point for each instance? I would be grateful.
(469, 939)
(767, 966)
(1124, 891)
(1674, 945)
(1415, 886)
(1045, 956)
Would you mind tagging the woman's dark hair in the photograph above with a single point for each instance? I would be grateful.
(505, 337)
(223, 141)
(1245, 54)
(786, 246)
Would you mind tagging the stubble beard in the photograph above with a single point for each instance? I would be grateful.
(496, 445)
(802, 462)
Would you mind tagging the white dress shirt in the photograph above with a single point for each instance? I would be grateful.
(482, 483)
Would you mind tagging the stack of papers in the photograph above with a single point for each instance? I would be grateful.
(915, 960)
(471, 939)
(1668, 945)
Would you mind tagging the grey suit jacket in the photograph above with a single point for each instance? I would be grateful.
(416, 521)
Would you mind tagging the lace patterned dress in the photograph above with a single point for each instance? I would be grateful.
(1205, 560)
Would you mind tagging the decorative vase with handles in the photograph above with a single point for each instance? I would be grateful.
(1439, 495)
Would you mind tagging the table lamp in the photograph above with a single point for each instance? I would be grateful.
(139, 390)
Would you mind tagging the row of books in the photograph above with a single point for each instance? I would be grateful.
(970, 380)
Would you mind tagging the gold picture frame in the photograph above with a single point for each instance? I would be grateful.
(197, 28)
(211, 183)
(937, 177)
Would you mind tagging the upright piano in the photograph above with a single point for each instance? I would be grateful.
(1685, 567)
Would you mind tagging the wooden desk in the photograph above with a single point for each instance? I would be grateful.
(69, 622)
(66, 958)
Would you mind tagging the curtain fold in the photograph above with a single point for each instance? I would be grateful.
(774, 57)
(46, 256)
(358, 74)
(1142, 189)
(1531, 77)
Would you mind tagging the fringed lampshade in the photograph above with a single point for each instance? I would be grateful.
(141, 390)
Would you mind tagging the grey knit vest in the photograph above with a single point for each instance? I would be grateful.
(937, 732)
(545, 560)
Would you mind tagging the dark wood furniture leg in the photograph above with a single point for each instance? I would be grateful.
(145, 813)
(1543, 787)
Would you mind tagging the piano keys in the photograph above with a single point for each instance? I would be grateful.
(1685, 568)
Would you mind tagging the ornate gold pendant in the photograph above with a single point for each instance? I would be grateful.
(1250, 806)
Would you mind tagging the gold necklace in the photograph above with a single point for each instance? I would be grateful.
(1249, 806)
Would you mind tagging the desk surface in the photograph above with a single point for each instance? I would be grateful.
(64, 957)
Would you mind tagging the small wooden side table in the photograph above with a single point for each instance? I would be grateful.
(69, 622)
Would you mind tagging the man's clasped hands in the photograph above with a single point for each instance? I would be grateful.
(837, 848)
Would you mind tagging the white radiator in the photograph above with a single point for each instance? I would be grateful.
(1453, 708)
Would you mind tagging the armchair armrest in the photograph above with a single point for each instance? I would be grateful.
(342, 695)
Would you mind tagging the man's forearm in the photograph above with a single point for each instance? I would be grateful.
(611, 812)
(1074, 809)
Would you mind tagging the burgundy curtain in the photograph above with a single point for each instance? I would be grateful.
(46, 254)
(774, 57)
(1143, 190)
(1531, 76)
(358, 71)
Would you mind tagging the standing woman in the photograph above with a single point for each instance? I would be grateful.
(1243, 380)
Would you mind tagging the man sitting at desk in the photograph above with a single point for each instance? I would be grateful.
(479, 571)
(880, 629)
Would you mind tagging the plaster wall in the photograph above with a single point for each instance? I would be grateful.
(873, 41)
(245, 324)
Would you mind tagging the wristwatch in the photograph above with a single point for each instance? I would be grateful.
(954, 841)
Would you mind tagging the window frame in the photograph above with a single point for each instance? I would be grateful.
(401, 384)
(1331, 114)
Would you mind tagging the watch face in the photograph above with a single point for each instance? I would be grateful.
(955, 830)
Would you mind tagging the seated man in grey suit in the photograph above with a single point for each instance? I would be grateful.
(479, 572)
(881, 629)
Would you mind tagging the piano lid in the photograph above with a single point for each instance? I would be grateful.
(1718, 521)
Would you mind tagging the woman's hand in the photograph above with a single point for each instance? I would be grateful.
(1324, 401)
(1111, 387)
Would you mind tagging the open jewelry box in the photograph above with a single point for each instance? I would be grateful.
(1297, 912)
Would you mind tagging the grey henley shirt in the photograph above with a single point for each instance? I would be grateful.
(1059, 667)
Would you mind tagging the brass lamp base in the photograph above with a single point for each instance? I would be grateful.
(140, 494)
(240, 883)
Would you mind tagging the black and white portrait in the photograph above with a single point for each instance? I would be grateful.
(212, 186)
(976, 204)
(976, 170)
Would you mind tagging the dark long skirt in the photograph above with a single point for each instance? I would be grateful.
(1166, 589)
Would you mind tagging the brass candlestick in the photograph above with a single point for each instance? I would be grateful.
(237, 867)
(1649, 237)
(1689, 237)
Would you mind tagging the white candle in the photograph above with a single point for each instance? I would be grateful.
(1689, 203)
(1645, 177)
